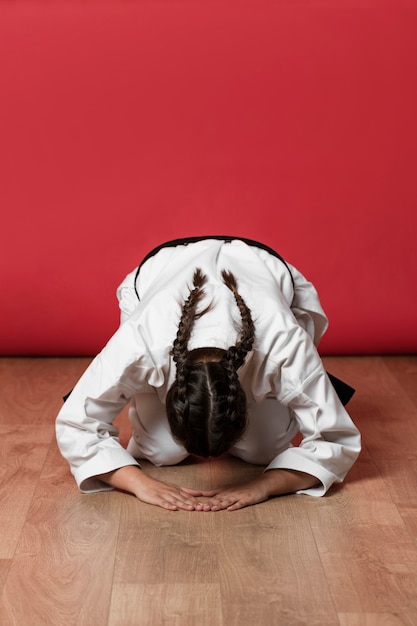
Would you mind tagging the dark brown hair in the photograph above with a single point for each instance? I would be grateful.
(206, 405)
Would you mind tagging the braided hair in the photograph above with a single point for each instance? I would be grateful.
(206, 405)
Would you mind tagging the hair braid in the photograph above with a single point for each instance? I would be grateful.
(188, 316)
(235, 355)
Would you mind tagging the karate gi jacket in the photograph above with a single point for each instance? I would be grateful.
(284, 363)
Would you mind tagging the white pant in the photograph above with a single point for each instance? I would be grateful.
(270, 430)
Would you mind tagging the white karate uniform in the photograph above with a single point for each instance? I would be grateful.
(286, 386)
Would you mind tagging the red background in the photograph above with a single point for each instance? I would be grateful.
(123, 125)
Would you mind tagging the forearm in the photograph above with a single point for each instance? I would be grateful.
(128, 478)
(274, 482)
(147, 489)
(279, 482)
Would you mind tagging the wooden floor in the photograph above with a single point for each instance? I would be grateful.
(348, 559)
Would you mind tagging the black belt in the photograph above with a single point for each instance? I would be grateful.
(227, 238)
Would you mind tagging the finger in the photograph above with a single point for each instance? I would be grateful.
(193, 501)
(180, 502)
(172, 501)
(166, 505)
(172, 505)
(222, 503)
(221, 506)
(237, 505)
(187, 503)
(245, 500)
(186, 507)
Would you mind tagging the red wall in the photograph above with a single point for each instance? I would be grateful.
(126, 124)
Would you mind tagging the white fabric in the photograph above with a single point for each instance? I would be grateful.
(285, 383)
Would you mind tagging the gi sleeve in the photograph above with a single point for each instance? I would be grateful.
(86, 435)
(331, 442)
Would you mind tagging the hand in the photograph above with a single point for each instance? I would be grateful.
(167, 495)
(274, 482)
(238, 496)
(147, 489)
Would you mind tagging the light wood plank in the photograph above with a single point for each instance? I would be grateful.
(380, 406)
(270, 571)
(404, 370)
(62, 571)
(348, 520)
(377, 619)
(4, 570)
(175, 604)
(164, 547)
(371, 585)
(400, 477)
(408, 514)
(23, 451)
(31, 389)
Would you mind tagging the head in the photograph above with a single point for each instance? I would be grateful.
(206, 405)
